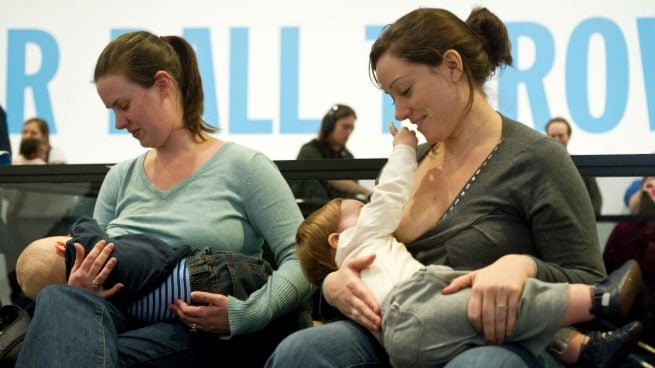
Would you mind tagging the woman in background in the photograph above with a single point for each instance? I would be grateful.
(337, 125)
(37, 128)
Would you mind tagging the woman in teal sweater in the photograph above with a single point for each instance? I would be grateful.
(188, 188)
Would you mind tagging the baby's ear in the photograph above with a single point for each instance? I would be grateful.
(333, 240)
(60, 248)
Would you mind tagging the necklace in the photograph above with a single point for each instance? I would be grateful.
(435, 147)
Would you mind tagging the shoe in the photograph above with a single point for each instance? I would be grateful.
(613, 296)
(608, 349)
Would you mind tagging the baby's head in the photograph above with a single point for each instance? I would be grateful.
(318, 236)
(41, 264)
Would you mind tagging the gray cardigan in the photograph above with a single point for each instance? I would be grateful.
(528, 198)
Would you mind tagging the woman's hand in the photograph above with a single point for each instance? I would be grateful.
(91, 271)
(210, 317)
(495, 293)
(345, 290)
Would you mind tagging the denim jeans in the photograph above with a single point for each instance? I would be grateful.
(345, 344)
(74, 327)
(227, 273)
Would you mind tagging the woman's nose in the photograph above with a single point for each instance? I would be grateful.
(401, 112)
(121, 121)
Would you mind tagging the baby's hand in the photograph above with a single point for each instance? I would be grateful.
(403, 136)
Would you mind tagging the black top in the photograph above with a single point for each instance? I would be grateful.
(314, 193)
(315, 150)
(5, 145)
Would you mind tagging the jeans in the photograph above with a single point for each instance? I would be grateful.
(227, 273)
(345, 344)
(73, 327)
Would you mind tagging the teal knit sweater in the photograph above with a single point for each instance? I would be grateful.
(235, 202)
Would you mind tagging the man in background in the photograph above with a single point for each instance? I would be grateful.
(560, 130)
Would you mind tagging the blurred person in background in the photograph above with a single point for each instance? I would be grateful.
(336, 127)
(559, 129)
(38, 128)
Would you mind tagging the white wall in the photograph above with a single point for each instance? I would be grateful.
(594, 70)
(332, 66)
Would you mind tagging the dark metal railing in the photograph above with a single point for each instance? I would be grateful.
(85, 179)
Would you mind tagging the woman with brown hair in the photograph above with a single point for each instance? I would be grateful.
(490, 195)
(191, 188)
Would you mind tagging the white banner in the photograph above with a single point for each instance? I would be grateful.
(272, 69)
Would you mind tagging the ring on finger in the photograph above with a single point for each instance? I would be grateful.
(502, 307)
(95, 284)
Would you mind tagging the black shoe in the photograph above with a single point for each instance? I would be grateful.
(613, 296)
(608, 349)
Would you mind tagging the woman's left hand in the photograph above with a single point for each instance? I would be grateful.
(495, 293)
(210, 317)
(90, 271)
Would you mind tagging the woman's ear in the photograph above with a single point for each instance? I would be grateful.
(333, 240)
(163, 82)
(453, 61)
